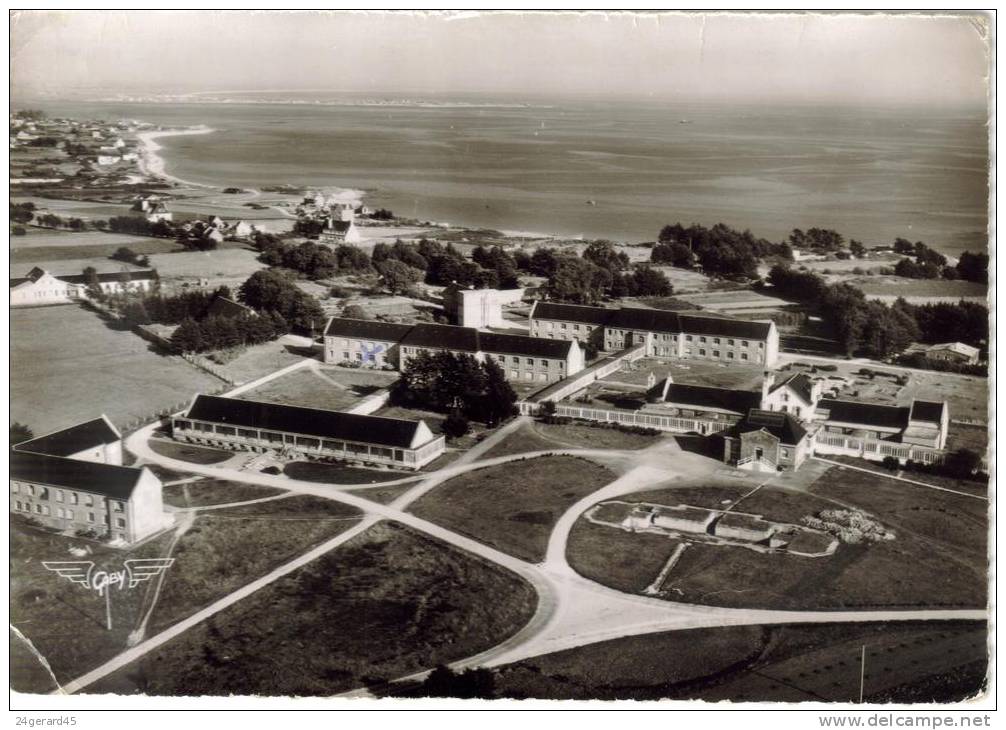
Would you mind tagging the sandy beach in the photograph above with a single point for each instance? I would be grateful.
(152, 164)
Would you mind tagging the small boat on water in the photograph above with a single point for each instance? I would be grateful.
(684, 121)
(591, 202)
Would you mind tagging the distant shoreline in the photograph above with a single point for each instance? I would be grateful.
(153, 164)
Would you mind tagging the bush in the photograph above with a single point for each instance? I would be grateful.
(18, 231)
(891, 463)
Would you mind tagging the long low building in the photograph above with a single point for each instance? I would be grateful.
(39, 287)
(73, 480)
(665, 334)
(311, 433)
(381, 344)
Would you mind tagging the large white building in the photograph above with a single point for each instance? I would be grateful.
(73, 481)
(479, 308)
(665, 334)
(39, 287)
(379, 344)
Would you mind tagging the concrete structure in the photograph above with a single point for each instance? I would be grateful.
(665, 334)
(309, 433)
(683, 518)
(73, 480)
(767, 441)
(40, 287)
(743, 526)
(528, 359)
(479, 308)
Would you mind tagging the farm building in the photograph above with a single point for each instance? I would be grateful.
(40, 287)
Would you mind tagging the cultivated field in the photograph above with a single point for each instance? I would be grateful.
(70, 356)
(387, 603)
(513, 506)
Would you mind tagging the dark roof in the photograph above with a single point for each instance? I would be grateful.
(395, 432)
(572, 313)
(224, 307)
(116, 482)
(73, 439)
(523, 345)
(739, 401)
(721, 327)
(444, 336)
(143, 275)
(651, 320)
(366, 329)
(800, 384)
(867, 414)
(924, 410)
(781, 425)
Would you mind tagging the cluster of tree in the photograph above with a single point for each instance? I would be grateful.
(19, 433)
(928, 263)
(309, 227)
(22, 212)
(973, 267)
(450, 383)
(44, 141)
(218, 333)
(448, 266)
(817, 239)
(30, 115)
(678, 255)
(270, 291)
(873, 328)
(171, 309)
(311, 259)
(960, 464)
(500, 262)
(138, 226)
(51, 220)
(408, 254)
(468, 684)
(399, 277)
(963, 321)
(128, 255)
(720, 250)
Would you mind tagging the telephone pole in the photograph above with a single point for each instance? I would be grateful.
(862, 673)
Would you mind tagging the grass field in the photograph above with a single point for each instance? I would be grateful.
(68, 354)
(264, 535)
(537, 436)
(214, 491)
(64, 621)
(693, 373)
(259, 360)
(388, 603)
(304, 388)
(938, 558)
(187, 452)
(907, 662)
(513, 506)
(316, 471)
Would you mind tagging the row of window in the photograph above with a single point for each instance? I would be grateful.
(658, 336)
(306, 442)
(61, 513)
(58, 495)
(502, 359)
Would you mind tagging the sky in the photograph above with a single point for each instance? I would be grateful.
(841, 58)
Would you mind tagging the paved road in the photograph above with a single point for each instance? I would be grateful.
(571, 610)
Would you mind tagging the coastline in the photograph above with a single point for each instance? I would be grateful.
(151, 164)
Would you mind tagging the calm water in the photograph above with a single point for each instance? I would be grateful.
(871, 174)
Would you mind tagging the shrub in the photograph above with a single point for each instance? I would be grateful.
(18, 231)
(891, 463)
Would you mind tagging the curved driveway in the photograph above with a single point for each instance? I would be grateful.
(571, 611)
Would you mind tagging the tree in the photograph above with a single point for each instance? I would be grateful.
(963, 463)
(468, 684)
(92, 284)
(456, 425)
(974, 267)
(647, 282)
(603, 254)
(578, 281)
(355, 311)
(22, 212)
(188, 337)
(856, 248)
(903, 246)
(20, 433)
(544, 262)
(499, 400)
(269, 290)
(397, 276)
(675, 254)
(448, 382)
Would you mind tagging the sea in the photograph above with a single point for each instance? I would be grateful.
(597, 168)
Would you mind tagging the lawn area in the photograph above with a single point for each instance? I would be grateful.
(539, 436)
(304, 388)
(318, 471)
(264, 535)
(214, 491)
(65, 621)
(187, 452)
(693, 373)
(259, 360)
(788, 663)
(70, 354)
(969, 486)
(388, 603)
(937, 560)
(70, 257)
(513, 506)
(383, 495)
